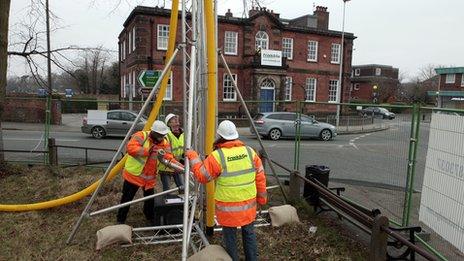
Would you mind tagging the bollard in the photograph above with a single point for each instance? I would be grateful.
(52, 152)
(378, 245)
(295, 186)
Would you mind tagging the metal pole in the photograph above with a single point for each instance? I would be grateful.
(49, 83)
(121, 146)
(188, 138)
(339, 95)
(184, 63)
(130, 97)
(266, 155)
(105, 210)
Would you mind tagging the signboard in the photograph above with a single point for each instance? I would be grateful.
(148, 78)
(271, 57)
(442, 201)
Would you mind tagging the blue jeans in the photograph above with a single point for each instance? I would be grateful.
(166, 176)
(229, 236)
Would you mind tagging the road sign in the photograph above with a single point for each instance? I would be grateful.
(145, 91)
(148, 78)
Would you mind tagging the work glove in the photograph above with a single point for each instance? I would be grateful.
(191, 154)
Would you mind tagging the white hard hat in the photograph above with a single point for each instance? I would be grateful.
(160, 127)
(169, 117)
(227, 130)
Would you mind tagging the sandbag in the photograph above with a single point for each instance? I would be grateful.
(114, 234)
(284, 214)
(211, 252)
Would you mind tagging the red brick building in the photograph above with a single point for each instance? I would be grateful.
(309, 68)
(450, 89)
(374, 83)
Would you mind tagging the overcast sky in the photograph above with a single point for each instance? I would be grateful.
(407, 34)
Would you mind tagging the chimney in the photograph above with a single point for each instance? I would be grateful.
(229, 14)
(322, 17)
(253, 11)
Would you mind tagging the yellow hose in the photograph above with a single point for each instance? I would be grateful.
(119, 166)
(66, 200)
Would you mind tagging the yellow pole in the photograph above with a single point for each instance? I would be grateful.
(171, 46)
(210, 125)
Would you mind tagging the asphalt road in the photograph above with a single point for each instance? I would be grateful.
(377, 158)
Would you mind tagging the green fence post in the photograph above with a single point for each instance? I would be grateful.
(296, 152)
(48, 108)
(409, 188)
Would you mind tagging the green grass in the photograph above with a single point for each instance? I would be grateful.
(41, 235)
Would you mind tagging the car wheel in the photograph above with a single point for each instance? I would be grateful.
(325, 135)
(98, 132)
(275, 134)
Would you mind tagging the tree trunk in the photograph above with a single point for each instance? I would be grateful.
(4, 16)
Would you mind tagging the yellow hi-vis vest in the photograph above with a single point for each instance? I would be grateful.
(177, 149)
(134, 165)
(237, 180)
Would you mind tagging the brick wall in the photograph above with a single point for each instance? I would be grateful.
(20, 109)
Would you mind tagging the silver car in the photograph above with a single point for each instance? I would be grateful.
(275, 125)
(118, 123)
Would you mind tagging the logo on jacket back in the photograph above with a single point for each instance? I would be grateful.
(236, 157)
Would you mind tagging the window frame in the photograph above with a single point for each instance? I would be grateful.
(462, 80)
(133, 38)
(357, 72)
(164, 38)
(124, 50)
(356, 86)
(378, 71)
(330, 90)
(291, 47)
(235, 52)
(308, 58)
(338, 57)
(169, 89)
(261, 39)
(307, 82)
(448, 81)
(288, 88)
(234, 78)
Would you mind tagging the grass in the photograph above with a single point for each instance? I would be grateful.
(41, 235)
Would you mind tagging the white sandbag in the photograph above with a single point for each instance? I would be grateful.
(114, 234)
(211, 252)
(284, 214)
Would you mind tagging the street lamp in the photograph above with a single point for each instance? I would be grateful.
(339, 85)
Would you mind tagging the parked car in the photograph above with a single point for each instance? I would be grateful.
(275, 125)
(101, 123)
(378, 112)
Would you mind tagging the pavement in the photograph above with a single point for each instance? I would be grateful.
(73, 123)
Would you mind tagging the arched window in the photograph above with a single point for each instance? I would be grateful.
(261, 40)
(267, 84)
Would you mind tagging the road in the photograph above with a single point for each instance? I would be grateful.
(378, 158)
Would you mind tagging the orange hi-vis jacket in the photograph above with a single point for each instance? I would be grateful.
(142, 149)
(230, 212)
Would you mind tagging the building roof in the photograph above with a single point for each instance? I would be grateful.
(373, 66)
(279, 22)
(449, 70)
(446, 93)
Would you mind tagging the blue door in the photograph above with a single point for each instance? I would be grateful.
(266, 95)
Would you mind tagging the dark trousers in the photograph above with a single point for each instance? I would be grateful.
(128, 193)
(229, 237)
(166, 176)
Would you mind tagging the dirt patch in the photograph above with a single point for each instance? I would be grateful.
(42, 234)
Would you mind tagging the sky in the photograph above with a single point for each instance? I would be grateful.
(407, 34)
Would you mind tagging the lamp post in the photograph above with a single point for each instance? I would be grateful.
(339, 85)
